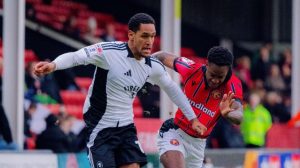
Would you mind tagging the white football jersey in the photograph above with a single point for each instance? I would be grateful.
(117, 79)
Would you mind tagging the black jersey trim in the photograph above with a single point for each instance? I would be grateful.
(98, 100)
(182, 63)
(206, 101)
(114, 48)
(148, 61)
(191, 76)
(174, 64)
(233, 88)
(113, 45)
(130, 54)
(200, 84)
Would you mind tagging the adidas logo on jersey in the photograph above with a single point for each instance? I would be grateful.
(128, 73)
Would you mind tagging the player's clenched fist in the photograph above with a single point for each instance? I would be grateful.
(198, 127)
(43, 68)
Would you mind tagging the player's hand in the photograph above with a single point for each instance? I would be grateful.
(198, 127)
(43, 68)
(226, 103)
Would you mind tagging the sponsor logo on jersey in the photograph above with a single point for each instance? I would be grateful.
(216, 94)
(93, 49)
(174, 142)
(132, 90)
(99, 49)
(202, 108)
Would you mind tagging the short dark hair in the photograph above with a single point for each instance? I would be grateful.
(139, 18)
(220, 56)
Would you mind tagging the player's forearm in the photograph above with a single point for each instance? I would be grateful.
(166, 58)
(65, 61)
(235, 116)
(68, 60)
(178, 97)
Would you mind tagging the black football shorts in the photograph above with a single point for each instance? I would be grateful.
(114, 147)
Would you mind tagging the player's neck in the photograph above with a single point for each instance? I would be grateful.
(134, 51)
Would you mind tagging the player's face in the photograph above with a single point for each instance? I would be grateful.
(215, 75)
(143, 39)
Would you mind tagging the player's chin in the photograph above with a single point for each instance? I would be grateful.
(146, 54)
(213, 86)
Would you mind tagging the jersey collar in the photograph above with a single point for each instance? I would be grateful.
(130, 54)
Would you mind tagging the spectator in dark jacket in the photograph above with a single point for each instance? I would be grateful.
(56, 136)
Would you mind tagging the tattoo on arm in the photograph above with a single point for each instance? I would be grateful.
(160, 55)
(166, 58)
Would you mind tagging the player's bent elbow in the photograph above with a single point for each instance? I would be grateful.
(239, 119)
(235, 117)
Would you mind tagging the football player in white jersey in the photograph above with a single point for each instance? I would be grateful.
(121, 70)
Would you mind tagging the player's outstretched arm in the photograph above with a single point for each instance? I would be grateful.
(178, 97)
(166, 58)
(64, 61)
(231, 108)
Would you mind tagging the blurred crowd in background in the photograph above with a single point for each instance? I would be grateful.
(53, 115)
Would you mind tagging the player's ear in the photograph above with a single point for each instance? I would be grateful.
(130, 34)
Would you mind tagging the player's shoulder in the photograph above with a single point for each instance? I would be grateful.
(234, 79)
(115, 45)
(185, 61)
(154, 63)
(234, 83)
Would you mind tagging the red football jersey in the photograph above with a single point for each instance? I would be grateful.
(205, 101)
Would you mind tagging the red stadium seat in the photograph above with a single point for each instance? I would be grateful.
(34, 1)
(156, 44)
(83, 82)
(69, 5)
(137, 108)
(283, 136)
(138, 112)
(54, 108)
(72, 97)
(57, 25)
(43, 18)
(30, 56)
(198, 59)
(30, 142)
(1, 51)
(187, 52)
(75, 110)
(120, 36)
(136, 102)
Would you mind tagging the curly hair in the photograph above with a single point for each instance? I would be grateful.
(139, 18)
(220, 56)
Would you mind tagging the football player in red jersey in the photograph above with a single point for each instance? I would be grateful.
(213, 91)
